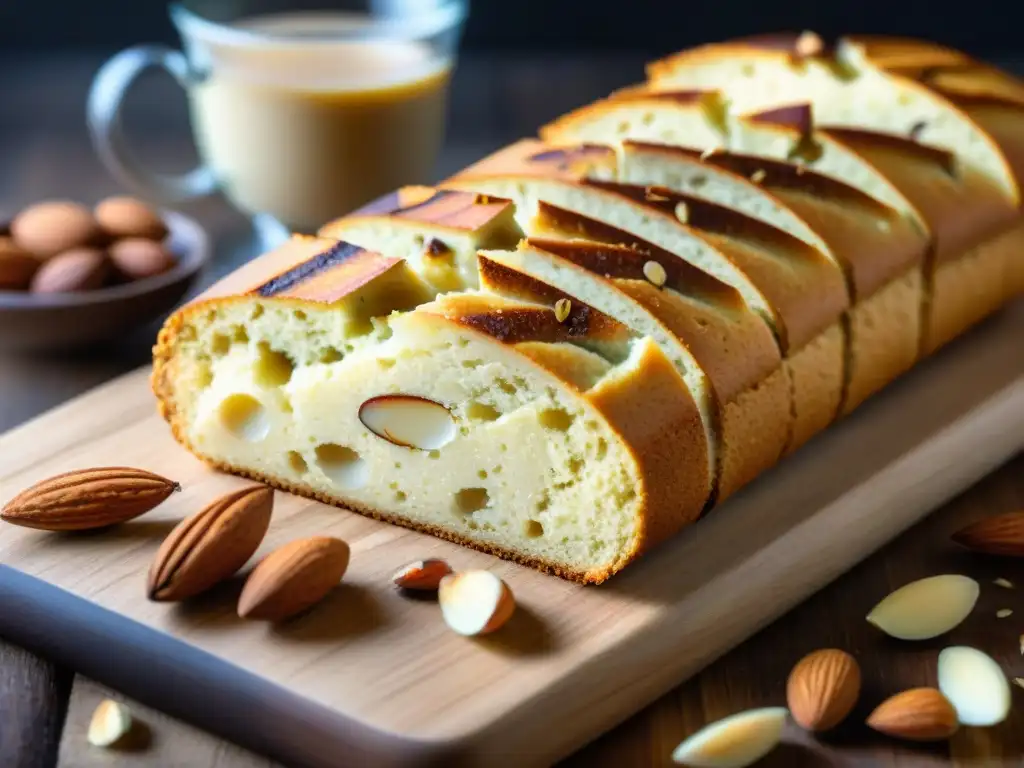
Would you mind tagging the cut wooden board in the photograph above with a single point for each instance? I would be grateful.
(370, 678)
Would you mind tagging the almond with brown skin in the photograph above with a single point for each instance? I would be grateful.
(999, 535)
(136, 258)
(421, 575)
(212, 545)
(55, 226)
(17, 266)
(920, 714)
(128, 217)
(80, 269)
(823, 688)
(88, 498)
(293, 578)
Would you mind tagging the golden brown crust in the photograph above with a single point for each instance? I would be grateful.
(530, 156)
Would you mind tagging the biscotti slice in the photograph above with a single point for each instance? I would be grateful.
(438, 232)
(480, 419)
(735, 358)
(892, 311)
(706, 273)
(845, 87)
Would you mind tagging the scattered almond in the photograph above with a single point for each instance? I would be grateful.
(758, 176)
(212, 545)
(421, 575)
(475, 602)
(682, 212)
(17, 266)
(1004, 583)
(999, 535)
(1004, 613)
(735, 741)
(128, 217)
(136, 258)
(926, 608)
(823, 688)
(111, 722)
(562, 309)
(88, 498)
(975, 684)
(920, 714)
(655, 273)
(293, 578)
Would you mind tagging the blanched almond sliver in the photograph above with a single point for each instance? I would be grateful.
(926, 608)
(975, 685)
(735, 741)
(110, 723)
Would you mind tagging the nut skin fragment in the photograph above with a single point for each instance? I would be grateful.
(293, 578)
(823, 689)
(210, 546)
(920, 714)
(87, 499)
(421, 575)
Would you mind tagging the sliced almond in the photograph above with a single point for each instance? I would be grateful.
(111, 722)
(920, 714)
(421, 575)
(655, 273)
(735, 741)
(1004, 583)
(1004, 613)
(926, 608)
(475, 602)
(562, 309)
(409, 421)
(975, 685)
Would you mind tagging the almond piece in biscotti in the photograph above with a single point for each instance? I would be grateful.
(17, 266)
(123, 216)
(80, 269)
(136, 258)
(48, 228)
(87, 499)
(293, 578)
(212, 545)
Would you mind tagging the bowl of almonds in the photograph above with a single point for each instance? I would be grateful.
(73, 275)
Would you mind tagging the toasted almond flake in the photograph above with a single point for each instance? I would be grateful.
(655, 273)
(1003, 613)
(735, 741)
(682, 212)
(111, 721)
(758, 176)
(562, 307)
(926, 608)
(1004, 583)
(975, 684)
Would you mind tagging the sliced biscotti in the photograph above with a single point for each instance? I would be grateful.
(474, 417)
(438, 232)
(730, 347)
(891, 312)
(657, 236)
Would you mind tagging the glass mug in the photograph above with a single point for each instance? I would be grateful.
(300, 116)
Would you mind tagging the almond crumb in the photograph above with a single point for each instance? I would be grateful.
(562, 308)
(682, 212)
(808, 44)
(708, 153)
(655, 273)
(1003, 613)
(758, 176)
(1004, 583)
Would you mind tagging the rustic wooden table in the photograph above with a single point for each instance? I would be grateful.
(44, 709)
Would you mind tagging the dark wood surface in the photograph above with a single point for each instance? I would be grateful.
(44, 709)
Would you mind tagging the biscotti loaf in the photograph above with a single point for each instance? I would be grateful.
(920, 94)
(474, 417)
(571, 350)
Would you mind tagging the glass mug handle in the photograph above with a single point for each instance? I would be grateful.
(106, 97)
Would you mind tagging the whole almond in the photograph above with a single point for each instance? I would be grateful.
(293, 578)
(88, 498)
(212, 545)
(53, 227)
(920, 714)
(129, 217)
(136, 258)
(823, 688)
(421, 575)
(17, 266)
(999, 535)
(80, 269)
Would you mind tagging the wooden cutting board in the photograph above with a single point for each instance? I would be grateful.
(370, 678)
